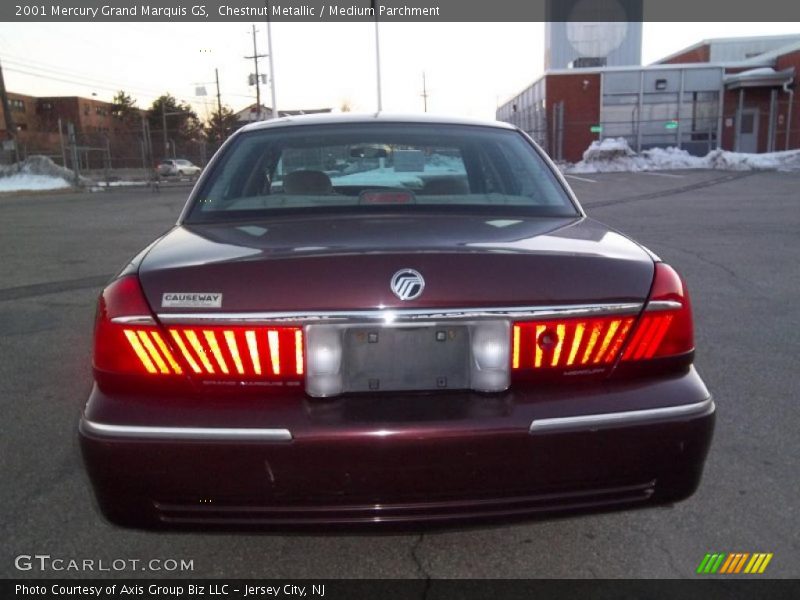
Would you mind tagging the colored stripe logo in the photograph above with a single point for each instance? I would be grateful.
(722, 563)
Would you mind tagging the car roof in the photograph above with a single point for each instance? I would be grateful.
(378, 117)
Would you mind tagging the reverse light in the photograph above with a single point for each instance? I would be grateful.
(324, 361)
(489, 370)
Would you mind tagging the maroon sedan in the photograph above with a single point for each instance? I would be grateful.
(388, 320)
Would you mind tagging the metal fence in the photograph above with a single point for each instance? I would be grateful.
(751, 130)
(131, 152)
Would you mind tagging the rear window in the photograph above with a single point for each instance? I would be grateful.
(368, 167)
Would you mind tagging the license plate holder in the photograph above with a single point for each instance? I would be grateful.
(418, 358)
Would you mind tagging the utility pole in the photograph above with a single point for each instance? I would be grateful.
(219, 96)
(424, 93)
(255, 58)
(219, 108)
(10, 127)
(275, 114)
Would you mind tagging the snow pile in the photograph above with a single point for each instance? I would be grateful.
(24, 181)
(615, 155)
(608, 150)
(769, 161)
(663, 159)
(35, 173)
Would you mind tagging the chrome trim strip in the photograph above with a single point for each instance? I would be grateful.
(621, 419)
(404, 314)
(659, 305)
(134, 320)
(186, 433)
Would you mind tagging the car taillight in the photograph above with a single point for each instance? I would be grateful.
(126, 339)
(241, 353)
(129, 342)
(575, 343)
(665, 327)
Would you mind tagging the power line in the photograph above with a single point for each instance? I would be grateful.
(88, 83)
(61, 71)
(101, 83)
(72, 81)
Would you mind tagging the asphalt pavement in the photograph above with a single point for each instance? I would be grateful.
(734, 237)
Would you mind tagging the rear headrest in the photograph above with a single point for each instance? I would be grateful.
(307, 182)
(442, 186)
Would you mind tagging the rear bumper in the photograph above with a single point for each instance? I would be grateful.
(406, 459)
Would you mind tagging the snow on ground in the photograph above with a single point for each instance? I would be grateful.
(614, 155)
(34, 173)
(26, 181)
(119, 183)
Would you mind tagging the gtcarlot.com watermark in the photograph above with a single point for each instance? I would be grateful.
(47, 563)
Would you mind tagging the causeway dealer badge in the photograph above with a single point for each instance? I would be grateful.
(191, 300)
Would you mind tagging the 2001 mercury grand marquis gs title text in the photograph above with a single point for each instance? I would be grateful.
(381, 320)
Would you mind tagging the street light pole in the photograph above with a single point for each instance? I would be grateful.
(378, 65)
(377, 55)
(275, 114)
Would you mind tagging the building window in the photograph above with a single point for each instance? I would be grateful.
(46, 105)
(17, 105)
(699, 113)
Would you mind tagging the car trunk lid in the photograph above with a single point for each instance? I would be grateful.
(347, 263)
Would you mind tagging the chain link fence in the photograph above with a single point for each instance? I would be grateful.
(121, 154)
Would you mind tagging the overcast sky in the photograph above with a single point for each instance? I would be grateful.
(470, 67)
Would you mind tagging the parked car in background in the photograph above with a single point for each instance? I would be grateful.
(177, 166)
(372, 320)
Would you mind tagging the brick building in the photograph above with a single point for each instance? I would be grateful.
(36, 122)
(732, 93)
